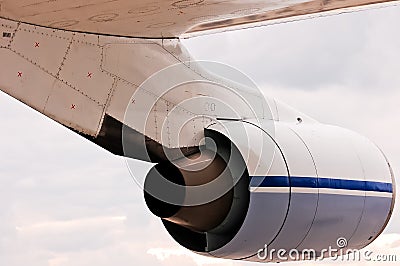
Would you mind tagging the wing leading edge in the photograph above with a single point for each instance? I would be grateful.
(162, 19)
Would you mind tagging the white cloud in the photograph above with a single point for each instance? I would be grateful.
(358, 50)
(171, 254)
(72, 224)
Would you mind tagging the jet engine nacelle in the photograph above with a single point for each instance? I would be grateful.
(286, 185)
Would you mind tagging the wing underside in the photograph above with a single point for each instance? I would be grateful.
(70, 61)
(157, 19)
(113, 90)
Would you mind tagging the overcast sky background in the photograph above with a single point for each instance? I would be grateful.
(65, 201)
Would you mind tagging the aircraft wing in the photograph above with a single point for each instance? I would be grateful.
(83, 63)
(168, 19)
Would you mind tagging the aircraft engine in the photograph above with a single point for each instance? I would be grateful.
(307, 186)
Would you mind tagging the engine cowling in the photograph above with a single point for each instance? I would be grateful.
(305, 187)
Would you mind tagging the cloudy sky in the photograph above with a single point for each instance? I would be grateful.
(65, 201)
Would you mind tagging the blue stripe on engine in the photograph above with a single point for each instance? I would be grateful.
(314, 182)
